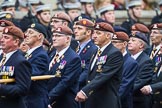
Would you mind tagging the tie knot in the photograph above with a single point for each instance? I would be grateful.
(3, 55)
(57, 55)
(99, 52)
(154, 49)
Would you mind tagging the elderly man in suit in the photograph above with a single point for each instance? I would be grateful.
(130, 69)
(136, 46)
(13, 65)
(66, 66)
(104, 73)
(38, 57)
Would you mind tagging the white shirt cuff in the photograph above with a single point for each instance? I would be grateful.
(83, 93)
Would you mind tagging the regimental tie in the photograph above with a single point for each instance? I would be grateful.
(3, 60)
(96, 58)
(153, 53)
(78, 49)
(54, 60)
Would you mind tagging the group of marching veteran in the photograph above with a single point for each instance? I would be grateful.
(90, 62)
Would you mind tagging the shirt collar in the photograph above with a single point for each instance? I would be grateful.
(103, 48)
(32, 49)
(125, 52)
(62, 51)
(8, 55)
(136, 55)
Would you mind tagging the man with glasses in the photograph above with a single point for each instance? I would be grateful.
(130, 69)
(62, 19)
(66, 66)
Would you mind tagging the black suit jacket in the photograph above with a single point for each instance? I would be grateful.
(104, 80)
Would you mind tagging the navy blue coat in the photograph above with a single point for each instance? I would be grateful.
(130, 69)
(38, 94)
(85, 56)
(144, 77)
(63, 89)
(104, 80)
(12, 94)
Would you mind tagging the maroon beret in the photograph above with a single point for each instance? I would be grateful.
(62, 15)
(14, 31)
(5, 23)
(140, 27)
(120, 36)
(103, 26)
(85, 22)
(63, 30)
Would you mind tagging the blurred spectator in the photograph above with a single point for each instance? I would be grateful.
(119, 4)
(101, 3)
(146, 5)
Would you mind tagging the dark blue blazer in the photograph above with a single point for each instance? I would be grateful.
(63, 89)
(144, 77)
(85, 56)
(12, 94)
(104, 80)
(38, 94)
(130, 69)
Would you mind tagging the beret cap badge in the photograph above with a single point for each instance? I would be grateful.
(84, 22)
(32, 25)
(114, 37)
(8, 16)
(6, 30)
(97, 26)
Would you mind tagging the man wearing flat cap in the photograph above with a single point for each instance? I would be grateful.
(136, 46)
(130, 69)
(62, 19)
(13, 65)
(134, 12)
(66, 66)
(104, 72)
(38, 94)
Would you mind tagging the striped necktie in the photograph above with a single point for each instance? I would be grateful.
(3, 60)
(54, 60)
(153, 53)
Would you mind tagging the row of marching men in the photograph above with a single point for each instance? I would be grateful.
(88, 76)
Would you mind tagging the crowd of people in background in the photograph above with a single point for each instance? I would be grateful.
(91, 61)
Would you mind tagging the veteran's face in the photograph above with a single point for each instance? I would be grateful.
(60, 41)
(100, 38)
(24, 47)
(134, 45)
(80, 33)
(31, 37)
(8, 43)
(89, 8)
(156, 37)
(55, 23)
